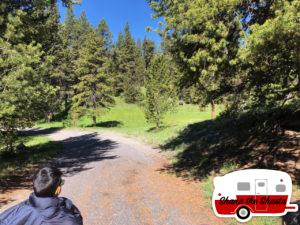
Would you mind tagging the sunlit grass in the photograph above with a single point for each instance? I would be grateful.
(132, 121)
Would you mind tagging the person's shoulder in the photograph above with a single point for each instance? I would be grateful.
(18, 211)
(66, 201)
(67, 204)
(70, 212)
(17, 208)
(72, 220)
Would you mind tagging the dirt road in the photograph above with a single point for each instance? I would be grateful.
(117, 180)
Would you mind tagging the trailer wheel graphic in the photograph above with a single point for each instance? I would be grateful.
(243, 213)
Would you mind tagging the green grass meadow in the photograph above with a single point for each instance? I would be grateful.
(130, 119)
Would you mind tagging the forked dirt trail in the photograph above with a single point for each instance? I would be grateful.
(116, 180)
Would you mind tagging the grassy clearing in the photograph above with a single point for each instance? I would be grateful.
(130, 119)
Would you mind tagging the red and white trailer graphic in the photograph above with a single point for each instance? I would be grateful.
(253, 192)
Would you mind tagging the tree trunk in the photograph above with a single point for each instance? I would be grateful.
(157, 124)
(213, 110)
(10, 147)
(94, 121)
(49, 117)
(94, 107)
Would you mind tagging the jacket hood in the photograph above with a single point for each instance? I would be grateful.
(48, 207)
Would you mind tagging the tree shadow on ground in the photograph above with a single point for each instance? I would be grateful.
(248, 141)
(158, 129)
(38, 131)
(73, 155)
(108, 124)
(16, 170)
(80, 151)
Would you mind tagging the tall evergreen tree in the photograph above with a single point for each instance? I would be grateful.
(140, 63)
(204, 38)
(54, 48)
(81, 28)
(148, 51)
(93, 92)
(67, 54)
(131, 66)
(24, 86)
(131, 84)
(103, 31)
(160, 89)
(241, 51)
(29, 7)
(270, 58)
(118, 67)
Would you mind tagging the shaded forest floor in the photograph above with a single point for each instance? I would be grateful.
(16, 169)
(250, 141)
(209, 148)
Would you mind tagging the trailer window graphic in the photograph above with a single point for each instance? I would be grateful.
(254, 192)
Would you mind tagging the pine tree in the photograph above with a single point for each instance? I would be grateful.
(103, 31)
(160, 90)
(81, 28)
(130, 85)
(140, 63)
(93, 92)
(118, 67)
(204, 38)
(30, 8)
(69, 27)
(148, 51)
(54, 47)
(65, 69)
(24, 87)
(131, 67)
(270, 58)
(69, 36)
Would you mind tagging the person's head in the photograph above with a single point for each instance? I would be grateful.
(47, 182)
(292, 218)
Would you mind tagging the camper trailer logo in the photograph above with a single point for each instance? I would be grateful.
(254, 192)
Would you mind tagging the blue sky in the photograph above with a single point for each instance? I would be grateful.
(116, 13)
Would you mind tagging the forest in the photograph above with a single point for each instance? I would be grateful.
(241, 54)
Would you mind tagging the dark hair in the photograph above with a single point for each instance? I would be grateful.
(292, 218)
(46, 181)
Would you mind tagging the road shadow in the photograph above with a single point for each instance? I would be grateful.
(73, 155)
(17, 170)
(158, 129)
(80, 151)
(39, 131)
(248, 142)
(108, 124)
